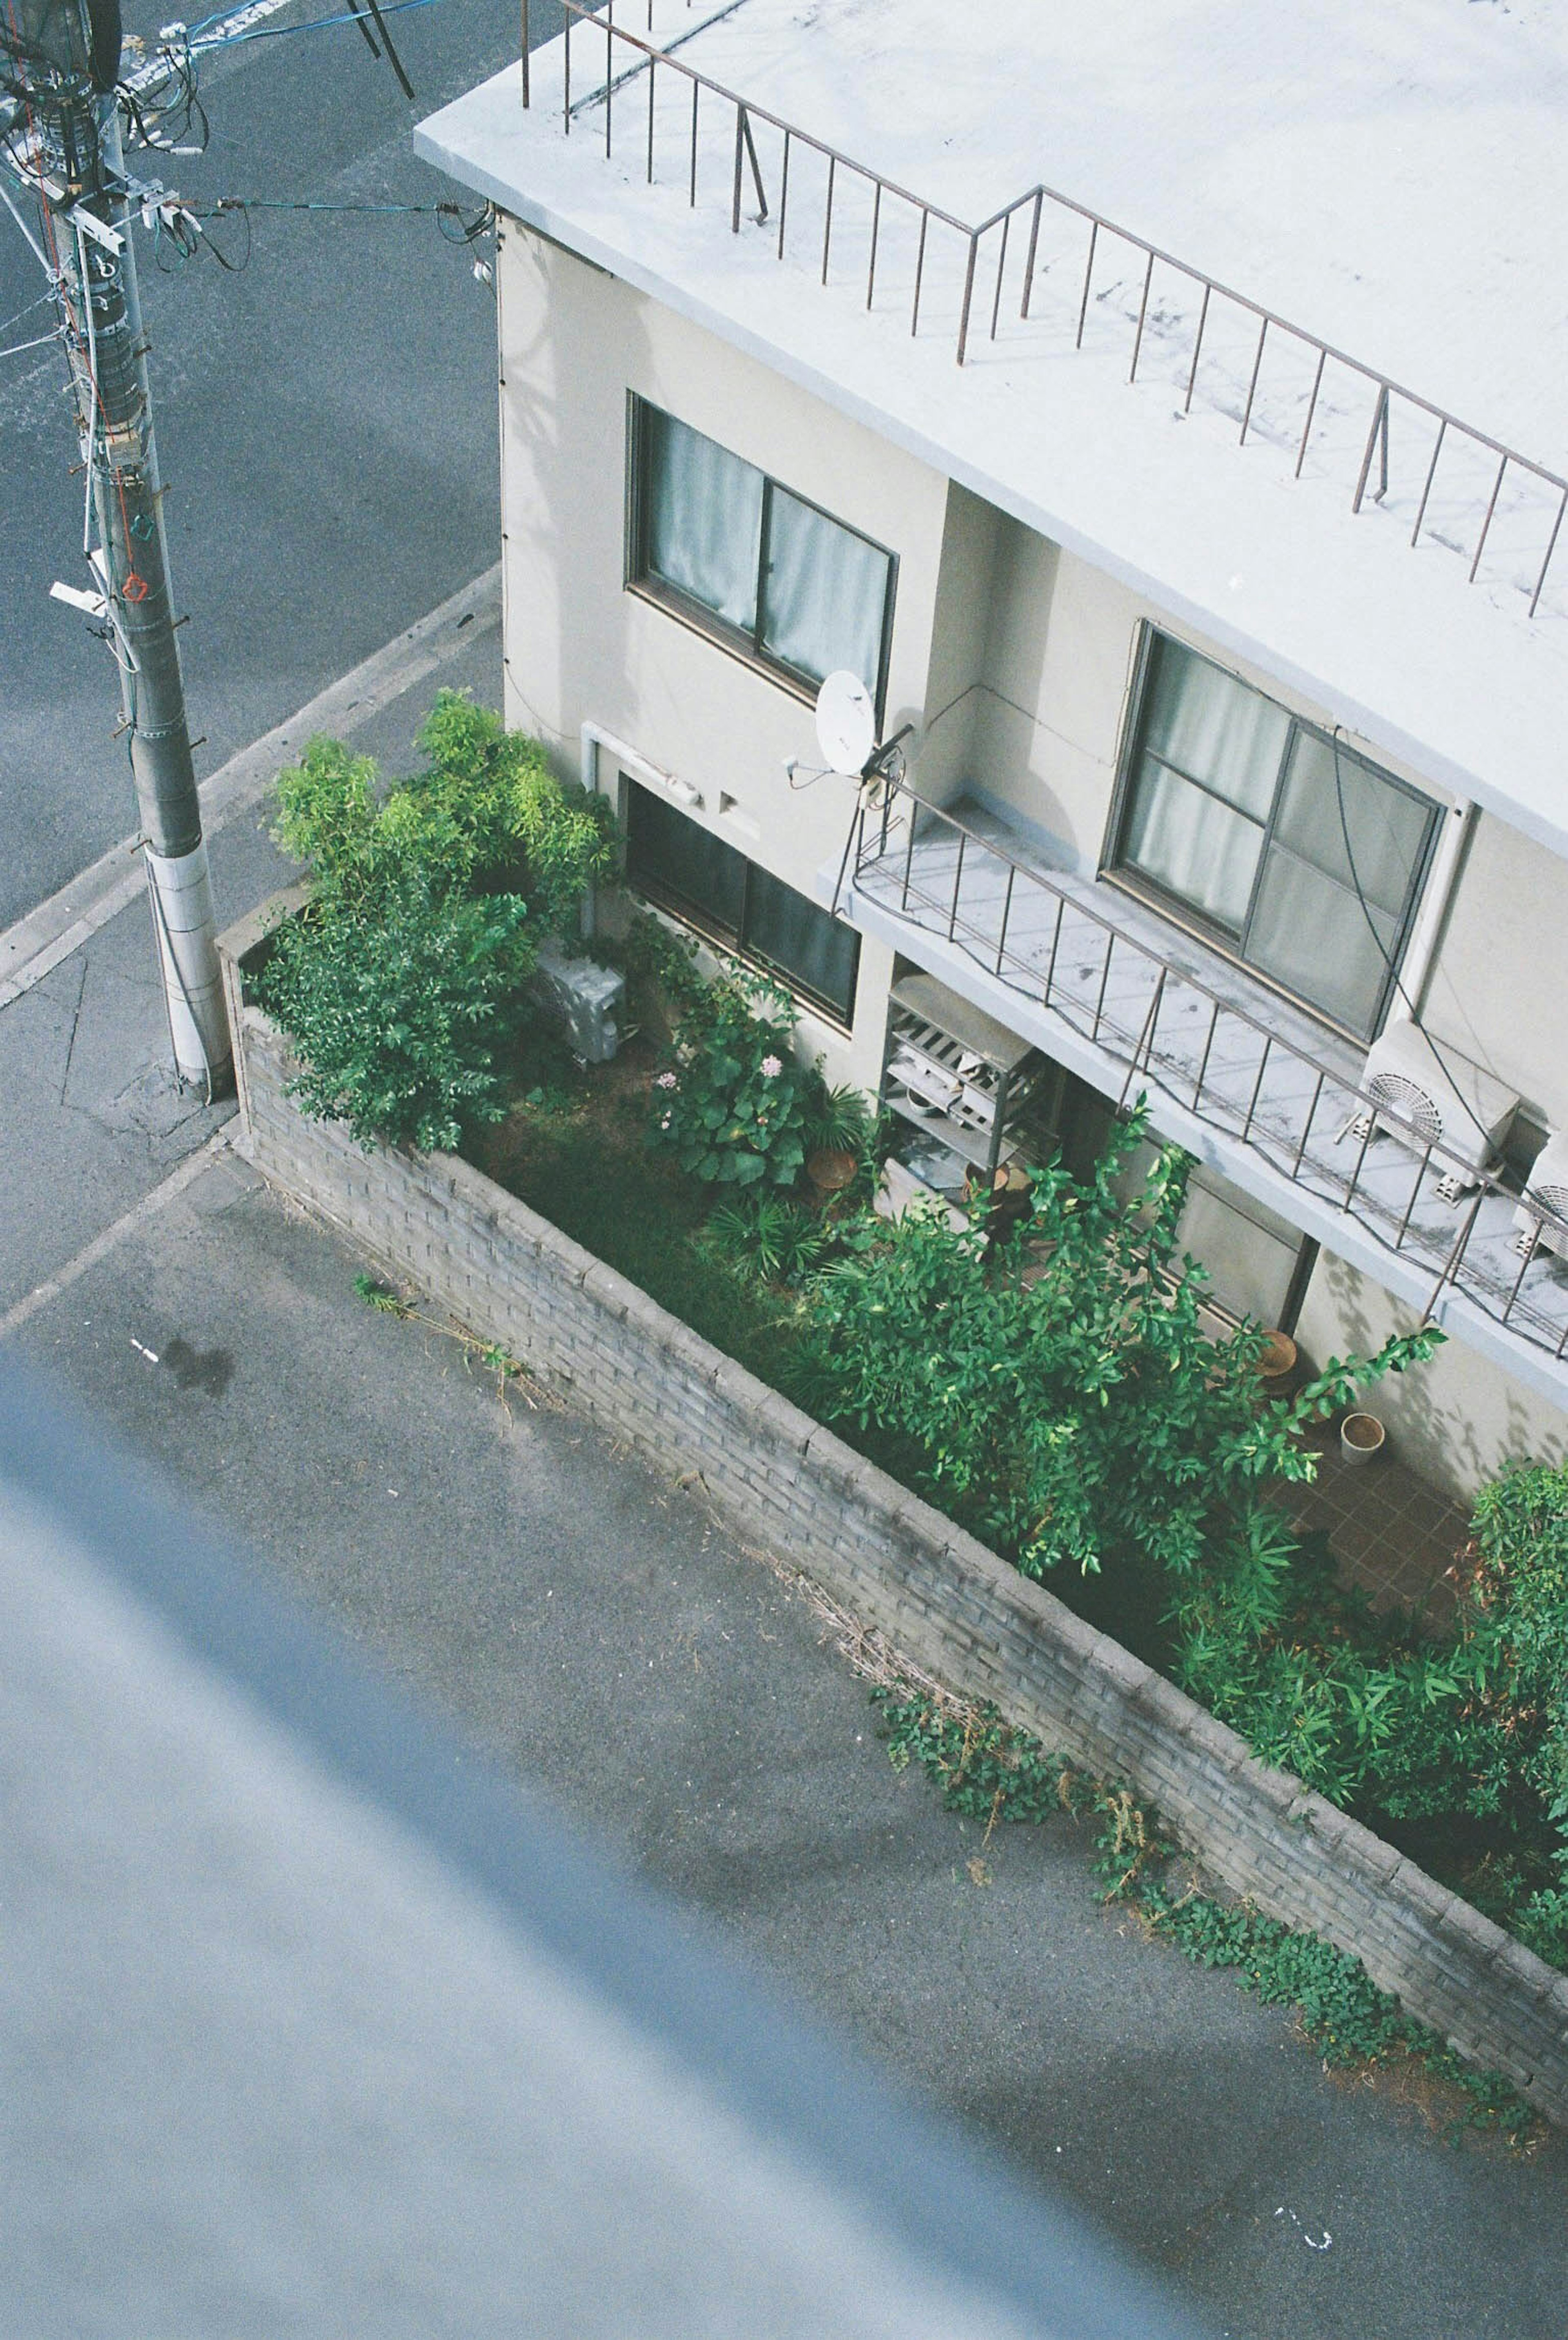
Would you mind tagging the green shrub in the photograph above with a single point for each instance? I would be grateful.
(769, 1236)
(730, 1099)
(401, 983)
(1077, 1416)
(991, 1770)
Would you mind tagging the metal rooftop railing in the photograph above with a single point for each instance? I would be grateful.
(1250, 1075)
(1049, 272)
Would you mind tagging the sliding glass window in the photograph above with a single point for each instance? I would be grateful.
(685, 868)
(1301, 857)
(758, 566)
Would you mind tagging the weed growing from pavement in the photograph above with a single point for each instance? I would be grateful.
(988, 1769)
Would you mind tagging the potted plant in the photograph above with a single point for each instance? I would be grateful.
(839, 1137)
(1360, 1437)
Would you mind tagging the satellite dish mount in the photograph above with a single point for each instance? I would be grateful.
(847, 732)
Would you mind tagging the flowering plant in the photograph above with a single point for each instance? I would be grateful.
(730, 1103)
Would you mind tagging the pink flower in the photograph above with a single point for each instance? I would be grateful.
(664, 1124)
(665, 1081)
(770, 1067)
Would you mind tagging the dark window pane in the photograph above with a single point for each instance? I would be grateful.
(676, 862)
(1354, 824)
(702, 519)
(815, 949)
(1312, 935)
(824, 595)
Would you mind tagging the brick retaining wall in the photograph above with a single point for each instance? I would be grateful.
(952, 1603)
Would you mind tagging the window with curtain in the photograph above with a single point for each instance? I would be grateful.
(758, 565)
(686, 869)
(1300, 858)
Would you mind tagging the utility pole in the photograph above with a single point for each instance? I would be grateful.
(59, 60)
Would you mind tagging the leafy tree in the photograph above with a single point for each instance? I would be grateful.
(1062, 1393)
(402, 981)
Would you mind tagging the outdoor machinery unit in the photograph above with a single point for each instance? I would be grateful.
(1547, 1189)
(1429, 1096)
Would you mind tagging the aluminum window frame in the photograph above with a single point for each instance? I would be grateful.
(1232, 944)
(691, 915)
(639, 579)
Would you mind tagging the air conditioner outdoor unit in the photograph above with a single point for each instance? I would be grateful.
(1428, 1097)
(1547, 1186)
(583, 997)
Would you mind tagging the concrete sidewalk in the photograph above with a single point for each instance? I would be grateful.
(92, 1118)
(592, 1630)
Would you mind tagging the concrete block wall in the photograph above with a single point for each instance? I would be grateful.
(952, 1603)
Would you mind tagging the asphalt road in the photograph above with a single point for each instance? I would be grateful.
(326, 422)
(589, 1628)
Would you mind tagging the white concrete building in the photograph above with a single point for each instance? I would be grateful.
(1159, 407)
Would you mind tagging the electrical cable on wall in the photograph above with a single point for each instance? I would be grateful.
(1382, 952)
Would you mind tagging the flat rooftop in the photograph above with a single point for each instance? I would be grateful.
(1386, 191)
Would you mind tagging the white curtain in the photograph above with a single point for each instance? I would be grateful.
(1195, 847)
(825, 596)
(1214, 729)
(703, 519)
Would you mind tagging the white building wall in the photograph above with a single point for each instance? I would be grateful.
(1015, 659)
(580, 648)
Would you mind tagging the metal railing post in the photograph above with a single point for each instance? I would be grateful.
(1431, 475)
(1378, 412)
(1001, 272)
(1252, 385)
(1007, 914)
(876, 224)
(1311, 412)
(1196, 348)
(1306, 1130)
(968, 296)
(1487, 523)
(527, 47)
(1034, 247)
(1088, 278)
(1142, 313)
(1256, 1087)
(828, 215)
(957, 886)
(1551, 549)
(783, 193)
(919, 270)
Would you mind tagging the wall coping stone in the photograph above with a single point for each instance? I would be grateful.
(894, 1559)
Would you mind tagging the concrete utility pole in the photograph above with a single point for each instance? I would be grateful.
(59, 60)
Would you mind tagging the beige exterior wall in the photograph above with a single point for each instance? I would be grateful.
(1014, 658)
(581, 649)
(1455, 1421)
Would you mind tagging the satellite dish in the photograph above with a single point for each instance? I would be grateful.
(846, 723)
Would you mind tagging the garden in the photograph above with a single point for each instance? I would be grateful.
(1044, 1371)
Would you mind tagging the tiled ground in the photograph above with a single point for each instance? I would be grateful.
(1392, 1533)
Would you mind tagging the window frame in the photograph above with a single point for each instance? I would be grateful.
(638, 578)
(1232, 946)
(688, 914)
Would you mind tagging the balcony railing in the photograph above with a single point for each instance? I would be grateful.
(1050, 268)
(1247, 1073)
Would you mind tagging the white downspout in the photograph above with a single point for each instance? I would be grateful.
(1415, 971)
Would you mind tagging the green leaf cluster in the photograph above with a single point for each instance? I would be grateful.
(992, 1771)
(730, 1099)
(401, 983)
(1063, 1394)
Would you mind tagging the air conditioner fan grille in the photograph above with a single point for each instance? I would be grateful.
(1408, 1102)
(1551, 1198)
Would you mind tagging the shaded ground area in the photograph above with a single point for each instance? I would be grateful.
(592, 1629)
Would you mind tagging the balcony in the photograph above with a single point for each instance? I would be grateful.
(1245, 1081)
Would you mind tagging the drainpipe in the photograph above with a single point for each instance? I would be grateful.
(1415, 972)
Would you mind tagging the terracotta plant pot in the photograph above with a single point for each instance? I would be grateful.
(1360, 1437)
(830, 1169)
(1277, 1362)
